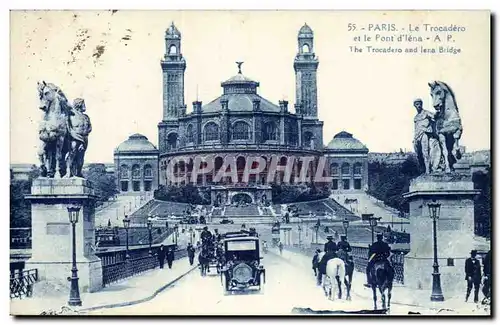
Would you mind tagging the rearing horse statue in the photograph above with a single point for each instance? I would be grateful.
(53, 130)
(63, 133)
(448, 123)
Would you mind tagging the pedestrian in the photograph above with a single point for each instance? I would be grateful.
(281, 248)
(473, 275)
(170, 257)
(487, 275)
(190, 251)
(315, 262)
(161, 255)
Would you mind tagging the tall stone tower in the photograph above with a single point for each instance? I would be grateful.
(306, 65)
(173, 66)
(306, 94)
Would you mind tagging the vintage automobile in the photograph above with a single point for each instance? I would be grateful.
(242, 269)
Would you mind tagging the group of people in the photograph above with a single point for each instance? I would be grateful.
(473, 275)
(168, 254)
(332, 250)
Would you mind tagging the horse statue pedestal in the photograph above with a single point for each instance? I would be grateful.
(52, 233)
(455, 230)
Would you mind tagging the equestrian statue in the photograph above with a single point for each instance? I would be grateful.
(63, 133)
(437, 135)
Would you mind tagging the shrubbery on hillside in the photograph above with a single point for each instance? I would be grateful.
(388, 182)
(289, 193)
(182, 194)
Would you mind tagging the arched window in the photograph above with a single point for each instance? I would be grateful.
(345, 169)
(270, 131)
(172, 141)
(211, 131)
(241, 131)
(305, 48)
(172, 49)
(334, 169)
(124, 172)
(357, 168)
(148, 171)
(189, 134)
(136, 172)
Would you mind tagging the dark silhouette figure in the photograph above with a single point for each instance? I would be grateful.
(330, 245)
(487, 275)
(315, 262)
(190, 251)
(378, 250)
(161, 255)
(472, 275)
(170, 257)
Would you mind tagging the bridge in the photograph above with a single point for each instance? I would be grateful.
(136, 286)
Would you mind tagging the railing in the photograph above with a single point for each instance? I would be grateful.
(21, 283)
(116, 267)
(360, 257)
(238, 146)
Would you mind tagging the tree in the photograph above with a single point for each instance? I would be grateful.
(20, 208)
(388, 182)
(104, 183)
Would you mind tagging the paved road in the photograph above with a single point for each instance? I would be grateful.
(287, 286)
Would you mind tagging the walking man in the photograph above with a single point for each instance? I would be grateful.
(190, 251)
(161, 255)
(487, 276)
(170, 257)
(315, 262)
(281, 248)
(473, 275)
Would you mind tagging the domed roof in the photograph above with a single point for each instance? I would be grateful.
(136, 142)
(239, 78)
(345, 141)
(306, 32)
(172, 31)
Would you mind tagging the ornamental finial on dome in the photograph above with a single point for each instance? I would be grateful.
(239, 63)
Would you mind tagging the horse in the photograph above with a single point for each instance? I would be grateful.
(204, 261)
(53, 130)
(448, 123)
(349, 270)
(335, 269)
(381, 277)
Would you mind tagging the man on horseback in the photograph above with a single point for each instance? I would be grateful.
(330, 244)
(343, 244)
(379, 250)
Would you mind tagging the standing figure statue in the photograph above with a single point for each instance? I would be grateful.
(425, 140)
(448, 123)
(53, 130)
(79, 128)
(63, 133)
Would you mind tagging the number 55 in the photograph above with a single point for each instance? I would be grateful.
(351, 27)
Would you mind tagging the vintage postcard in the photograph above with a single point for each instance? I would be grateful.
(250, 162)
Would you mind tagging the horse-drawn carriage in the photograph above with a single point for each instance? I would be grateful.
(211, 256)
(242, 269)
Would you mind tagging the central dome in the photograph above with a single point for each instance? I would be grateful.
(306, 32)
(136, 142)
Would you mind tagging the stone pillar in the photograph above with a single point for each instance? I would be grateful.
(455, 231)
(52, 232)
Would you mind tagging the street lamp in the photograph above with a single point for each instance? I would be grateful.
(345, 223)
(74, 294)
(176, 233)
(150, 228)
(126, 225)
(300, 238)
(437, 293)
(373, 224)
(191, 235)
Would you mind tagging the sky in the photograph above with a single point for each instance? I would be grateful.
(112, 60)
